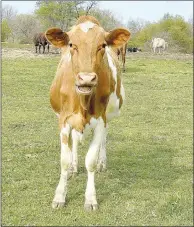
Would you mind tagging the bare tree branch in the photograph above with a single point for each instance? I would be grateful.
(90, 6)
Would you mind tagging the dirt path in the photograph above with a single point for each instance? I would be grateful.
(29, 53)
(175, 56)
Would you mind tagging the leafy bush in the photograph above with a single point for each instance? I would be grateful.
(5, 30)
(174, 29)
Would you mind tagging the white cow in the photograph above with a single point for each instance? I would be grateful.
(158, 43)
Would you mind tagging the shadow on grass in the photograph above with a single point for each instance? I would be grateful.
(150, 170)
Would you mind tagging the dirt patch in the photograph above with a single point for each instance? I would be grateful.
(173, 56)
(29, 53)
(26, 53)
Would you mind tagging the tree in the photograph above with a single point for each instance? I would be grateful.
(8, 12)
(174, 29)
(24, 26)
(8, 15)
(190, 21)
(106, 18)
(5, 30)
(136, 25)
(62, 13)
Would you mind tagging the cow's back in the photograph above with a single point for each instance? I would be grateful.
(39, 38)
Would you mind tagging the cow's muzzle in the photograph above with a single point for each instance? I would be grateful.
(86, 83)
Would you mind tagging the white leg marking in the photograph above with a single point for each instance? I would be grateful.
(91, 164)
(101, 166)
(76, 138)
(66, 160)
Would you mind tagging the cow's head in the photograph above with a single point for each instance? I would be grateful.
(85, 45)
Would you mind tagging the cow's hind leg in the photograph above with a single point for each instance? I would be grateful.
(66, 160)
(43, 48)
(91, 164)
(39, 48)
(101, 165)
(123, 60)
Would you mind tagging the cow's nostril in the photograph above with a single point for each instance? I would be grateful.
(93, 79)
(80, 77)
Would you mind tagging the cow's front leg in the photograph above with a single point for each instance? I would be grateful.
(76, 137)
(66, 160)
(91, 164)
(101, 165)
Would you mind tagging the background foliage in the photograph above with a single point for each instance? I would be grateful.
(21, 27)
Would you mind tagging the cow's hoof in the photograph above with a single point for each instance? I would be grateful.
(90, 207)
(56, 205)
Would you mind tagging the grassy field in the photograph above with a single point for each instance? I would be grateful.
(149, 175)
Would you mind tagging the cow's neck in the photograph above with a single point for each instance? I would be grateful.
(85, 104)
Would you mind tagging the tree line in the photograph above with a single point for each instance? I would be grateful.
(21, 27)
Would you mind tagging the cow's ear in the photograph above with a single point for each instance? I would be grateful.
(57, 37)
(117, 37)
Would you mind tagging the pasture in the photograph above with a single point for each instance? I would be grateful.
(149, 171)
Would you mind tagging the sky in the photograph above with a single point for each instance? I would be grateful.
(125, 10)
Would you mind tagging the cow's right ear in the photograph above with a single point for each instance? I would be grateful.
(57, 37)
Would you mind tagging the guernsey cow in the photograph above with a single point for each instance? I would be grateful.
(122, 51)
(85, 94)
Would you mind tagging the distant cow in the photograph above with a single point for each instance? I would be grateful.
(133, 49)
(39, 40)
(122, 51)
(158, 43)
(86, 94)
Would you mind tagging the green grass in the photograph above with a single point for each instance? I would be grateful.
(149, 149)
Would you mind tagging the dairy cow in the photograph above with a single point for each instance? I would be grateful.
(86, 93)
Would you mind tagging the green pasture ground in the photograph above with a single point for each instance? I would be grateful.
(149, 171)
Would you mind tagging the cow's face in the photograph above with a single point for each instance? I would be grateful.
(85, 44)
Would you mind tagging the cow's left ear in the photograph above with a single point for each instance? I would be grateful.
(57, 37)
(117, 37)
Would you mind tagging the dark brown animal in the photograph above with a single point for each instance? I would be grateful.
(86, 93)
(122, 51)
(39, 40)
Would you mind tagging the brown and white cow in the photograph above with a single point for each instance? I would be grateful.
(122, 51)
(85, 94)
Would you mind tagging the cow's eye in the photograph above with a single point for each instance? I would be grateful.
(70, 44)
(103, 45)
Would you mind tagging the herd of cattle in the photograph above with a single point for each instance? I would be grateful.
(159, 44)
(86, 93)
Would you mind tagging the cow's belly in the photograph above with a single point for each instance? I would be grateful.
(113, 107)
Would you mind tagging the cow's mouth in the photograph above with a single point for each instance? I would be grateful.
(85, 90)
